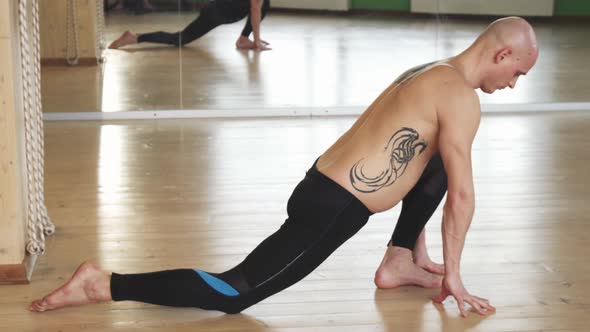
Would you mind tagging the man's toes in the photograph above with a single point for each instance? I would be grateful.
(36, 306)
(436, 268)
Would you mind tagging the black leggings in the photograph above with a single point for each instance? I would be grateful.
(420, 203)
(322, 215)
(216, 13)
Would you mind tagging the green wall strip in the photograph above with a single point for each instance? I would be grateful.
(572, 8)
(562, 7)
(401, 5)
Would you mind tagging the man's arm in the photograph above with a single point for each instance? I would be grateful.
(457, 127)
(255, 18)
(458, 122)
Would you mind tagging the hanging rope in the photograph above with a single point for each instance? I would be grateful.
(72, 32)
(38, 223)
(47, 226)
(100, 38)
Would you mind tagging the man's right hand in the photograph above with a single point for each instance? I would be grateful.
(453, 286)
(261, 45)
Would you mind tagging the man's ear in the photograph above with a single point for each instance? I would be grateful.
(503, 54)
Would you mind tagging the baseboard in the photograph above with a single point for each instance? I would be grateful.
(11, 274)
(288, 112)
(64, 62)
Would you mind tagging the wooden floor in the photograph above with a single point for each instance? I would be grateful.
(317, 61)
(147, 195)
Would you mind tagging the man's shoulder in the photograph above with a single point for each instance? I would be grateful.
(454, 100)
(447, 77)
(449, 87)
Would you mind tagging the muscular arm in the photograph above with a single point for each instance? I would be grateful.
(255, 18)
(458, 123)
(458, 117)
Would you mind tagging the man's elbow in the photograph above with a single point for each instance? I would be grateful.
(460, 202)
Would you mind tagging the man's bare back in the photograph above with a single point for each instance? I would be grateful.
(383, 155)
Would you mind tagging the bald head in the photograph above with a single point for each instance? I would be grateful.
(506, 50)
(513, 32)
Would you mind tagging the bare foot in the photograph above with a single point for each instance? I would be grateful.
(127, 38)
(244, 43)
(421, 258)
(427, 264)
(398, 269)
(89, 284)
(260, 46)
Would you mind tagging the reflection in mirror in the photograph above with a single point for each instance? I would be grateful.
(318, 59)
(326, 55)
(460, 23)
(147, 77)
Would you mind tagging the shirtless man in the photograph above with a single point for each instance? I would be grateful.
(430, 111)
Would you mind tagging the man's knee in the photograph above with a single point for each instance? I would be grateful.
(435, 177)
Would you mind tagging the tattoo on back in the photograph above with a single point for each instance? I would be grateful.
(410, 73)
(400, 149)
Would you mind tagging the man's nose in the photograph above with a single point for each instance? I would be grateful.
(512, 83)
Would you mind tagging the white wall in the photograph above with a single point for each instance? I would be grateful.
(312, 4)
(484, 7)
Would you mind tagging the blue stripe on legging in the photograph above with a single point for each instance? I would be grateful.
(218, 284)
